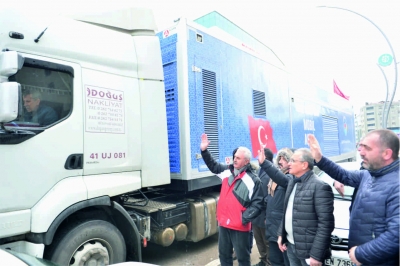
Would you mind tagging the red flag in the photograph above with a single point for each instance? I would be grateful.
(261, 134)
(338, 91)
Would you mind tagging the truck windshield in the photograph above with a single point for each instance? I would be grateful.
(46, 97)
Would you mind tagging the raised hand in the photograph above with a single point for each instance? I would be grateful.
(204, 142)
(314, 147)
(261, 155)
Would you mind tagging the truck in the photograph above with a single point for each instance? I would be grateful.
(101, 118)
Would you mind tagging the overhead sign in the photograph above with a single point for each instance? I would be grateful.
(385, 60)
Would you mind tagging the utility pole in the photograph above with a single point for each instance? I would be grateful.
(385, 112)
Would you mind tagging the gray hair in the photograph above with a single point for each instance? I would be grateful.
(306, 156)
(35, 94)
(246, 152)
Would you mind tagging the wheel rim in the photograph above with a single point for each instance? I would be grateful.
(91, 253)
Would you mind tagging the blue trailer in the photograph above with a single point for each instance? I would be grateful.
(221, 81)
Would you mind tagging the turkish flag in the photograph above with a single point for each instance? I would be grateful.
(338, 91)
(261, 134)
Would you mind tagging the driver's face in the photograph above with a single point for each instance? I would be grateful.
(31, 104)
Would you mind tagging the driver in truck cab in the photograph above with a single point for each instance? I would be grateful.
(37, 112)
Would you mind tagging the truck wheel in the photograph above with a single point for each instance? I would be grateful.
(94, 242)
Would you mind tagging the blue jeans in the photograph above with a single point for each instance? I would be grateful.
(228, 240)
(276, 256)
(293, 259)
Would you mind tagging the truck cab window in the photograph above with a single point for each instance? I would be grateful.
(46, 93)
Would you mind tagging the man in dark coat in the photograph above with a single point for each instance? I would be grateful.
(274, 201)
(308, 221)
(374, 218)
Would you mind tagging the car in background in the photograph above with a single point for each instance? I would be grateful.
(340, 235)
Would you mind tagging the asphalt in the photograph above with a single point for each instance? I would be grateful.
(204, 252)
(254, 257)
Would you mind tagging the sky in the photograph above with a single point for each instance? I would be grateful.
(319, 44)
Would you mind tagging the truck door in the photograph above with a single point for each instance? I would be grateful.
(112, 133)
(35, 149)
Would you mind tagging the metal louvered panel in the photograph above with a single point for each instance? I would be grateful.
(171, 101)
(331, 136)
(259, 103)
(210, 111)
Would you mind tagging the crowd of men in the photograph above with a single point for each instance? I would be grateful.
(290, 210)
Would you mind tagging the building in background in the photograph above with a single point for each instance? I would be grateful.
(370, 118)
(357, 127)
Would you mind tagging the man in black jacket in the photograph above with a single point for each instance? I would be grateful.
(308, 220)
(274, 201)
(259, 222)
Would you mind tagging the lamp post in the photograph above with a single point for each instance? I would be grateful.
(385, 112)
(384, 117)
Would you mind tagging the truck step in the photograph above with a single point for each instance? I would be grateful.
(150, 207)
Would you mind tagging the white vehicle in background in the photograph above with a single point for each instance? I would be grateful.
(340, 235)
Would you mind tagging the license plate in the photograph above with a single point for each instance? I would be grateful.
(338, 262)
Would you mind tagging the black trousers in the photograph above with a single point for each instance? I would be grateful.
(228, 240)
(276, 256)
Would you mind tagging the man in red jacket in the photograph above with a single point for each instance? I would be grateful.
(240, 201)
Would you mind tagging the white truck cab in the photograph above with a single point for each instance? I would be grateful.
(82, 114)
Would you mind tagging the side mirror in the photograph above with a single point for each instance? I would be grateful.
(10, 101)
(10, 63)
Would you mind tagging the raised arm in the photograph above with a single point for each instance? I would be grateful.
(350, 178)
(314, 147)
(211, 163)
(274, 173)
(204, 142)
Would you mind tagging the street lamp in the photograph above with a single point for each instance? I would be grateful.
(385, 112)
(387, 95)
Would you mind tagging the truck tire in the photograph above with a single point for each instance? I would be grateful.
(94, 242)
